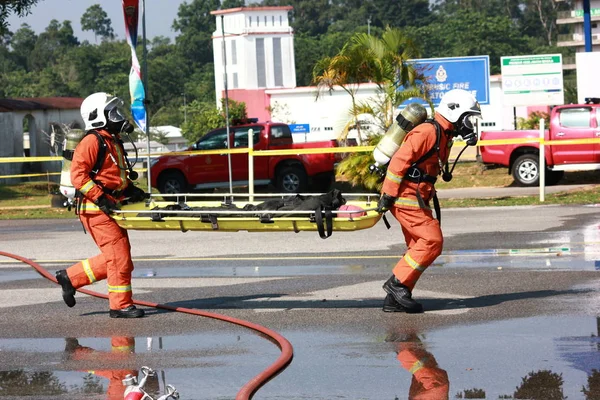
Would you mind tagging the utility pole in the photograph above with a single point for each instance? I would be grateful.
(369, 26)
(184, 108)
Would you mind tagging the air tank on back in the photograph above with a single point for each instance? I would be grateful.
(412, 115)
(73, 137)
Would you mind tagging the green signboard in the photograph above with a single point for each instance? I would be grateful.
(533, 80)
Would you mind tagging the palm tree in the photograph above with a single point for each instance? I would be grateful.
(347, 70)
(384, 61)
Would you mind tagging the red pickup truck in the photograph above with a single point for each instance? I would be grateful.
(293, 173)
(567, 122)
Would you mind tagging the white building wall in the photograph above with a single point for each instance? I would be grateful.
(245, 26)
(328, 115)
(11, 131)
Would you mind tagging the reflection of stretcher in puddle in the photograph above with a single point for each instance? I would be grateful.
(225, 213)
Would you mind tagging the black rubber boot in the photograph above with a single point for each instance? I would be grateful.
(128, 312)
(68, 291)
(402, 295)
(391, 305)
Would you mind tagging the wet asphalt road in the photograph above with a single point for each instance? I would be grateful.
(512, 307)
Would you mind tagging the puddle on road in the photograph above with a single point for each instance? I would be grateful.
(534, 358)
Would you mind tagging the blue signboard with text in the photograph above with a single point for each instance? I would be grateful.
(444, 74)
(300, 128)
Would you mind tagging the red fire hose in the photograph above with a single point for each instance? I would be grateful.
(252, 386)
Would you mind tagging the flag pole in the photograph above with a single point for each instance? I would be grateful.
(145, 83)
(226, 104)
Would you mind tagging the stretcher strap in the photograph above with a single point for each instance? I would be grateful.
(328, 220)
(437, 208)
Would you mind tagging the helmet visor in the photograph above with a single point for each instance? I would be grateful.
(115, 110)
(470, 121)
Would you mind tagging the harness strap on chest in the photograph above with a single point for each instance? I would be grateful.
(415, 174)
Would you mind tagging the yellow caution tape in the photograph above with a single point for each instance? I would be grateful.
(28, 159)
(319, 150)
(28, 175)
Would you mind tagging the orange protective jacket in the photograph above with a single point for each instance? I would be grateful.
(415, 145)
(112, 176)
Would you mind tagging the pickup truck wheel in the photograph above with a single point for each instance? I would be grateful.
(172, 183)
(526, 171)
(292, 180)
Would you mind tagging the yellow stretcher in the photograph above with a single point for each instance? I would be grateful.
(152, 215)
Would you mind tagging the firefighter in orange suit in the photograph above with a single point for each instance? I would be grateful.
(408, 188)
(102, 184)
(122, 347)
(429, 381)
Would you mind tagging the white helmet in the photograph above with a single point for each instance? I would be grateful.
(457, 102)
(98, 107)
(461, 109)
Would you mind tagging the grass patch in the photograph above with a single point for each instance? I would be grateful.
(587, 195)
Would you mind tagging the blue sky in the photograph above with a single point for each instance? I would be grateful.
(159, 16)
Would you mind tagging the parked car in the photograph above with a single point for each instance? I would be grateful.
(290, 173)
(567, 122)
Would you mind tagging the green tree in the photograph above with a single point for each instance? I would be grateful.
(471, 33)
(541, 385)
(310, 49)
(22, 44)
(96, 20)
(19, 7)
(382, 60)
(50, 44)
(312, 17)
(346, 70)
(204, 117)
(196, 25)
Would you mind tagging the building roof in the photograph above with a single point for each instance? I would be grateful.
(40, 103)
(251, 9)
(169, 130)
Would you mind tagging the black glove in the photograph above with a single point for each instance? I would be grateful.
(385, 203)
(134, 194)
(106, 205)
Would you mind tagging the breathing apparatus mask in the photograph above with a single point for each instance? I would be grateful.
(462, 110)
(466, 127)
(116, 122)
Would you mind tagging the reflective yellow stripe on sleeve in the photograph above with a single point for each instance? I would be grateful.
(119, 289)
(87, 187)
(88, 271)
(393, 177)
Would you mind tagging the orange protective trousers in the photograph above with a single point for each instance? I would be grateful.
(122, 348)
(113, 263)
(424, 242)
(429, 381)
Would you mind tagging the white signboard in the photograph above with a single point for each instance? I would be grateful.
(588, 84)
(532, 80)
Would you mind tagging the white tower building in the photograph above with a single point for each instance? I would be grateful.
(259, 50)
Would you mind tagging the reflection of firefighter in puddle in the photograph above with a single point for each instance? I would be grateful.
(429, 381)
(122, 348)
